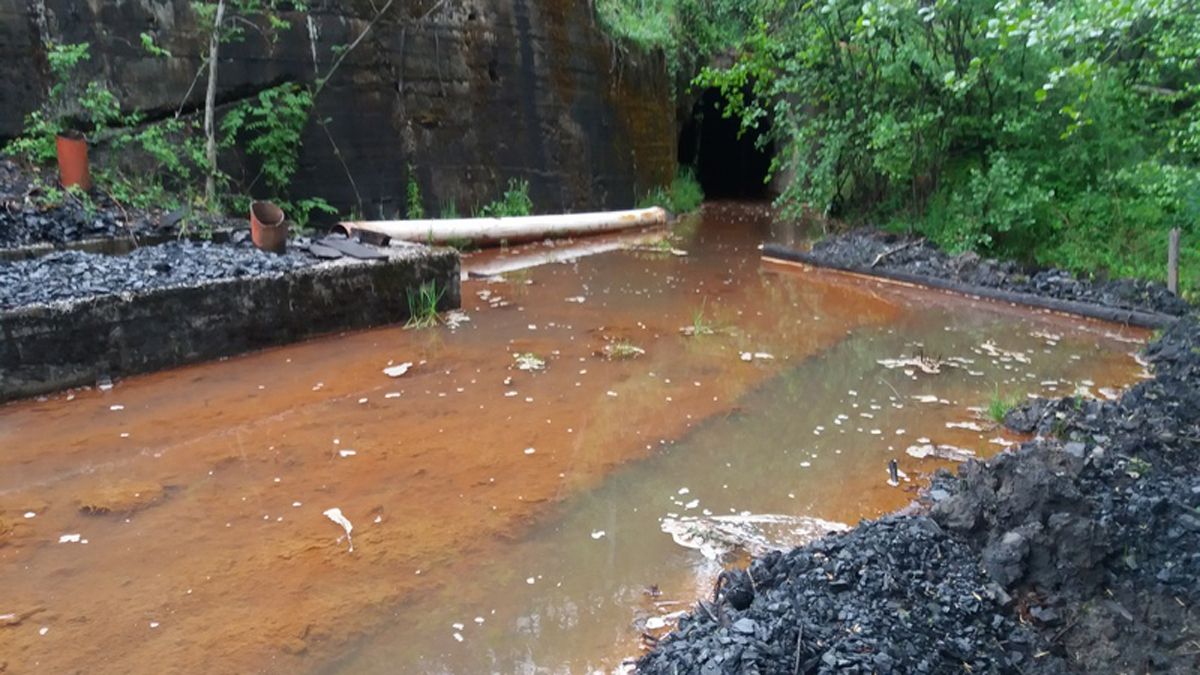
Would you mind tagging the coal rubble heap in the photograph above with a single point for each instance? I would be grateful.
(1079, 552)
(897, 595)
(871, 248)
(1096, 527)
(24, 222)
(67, 275)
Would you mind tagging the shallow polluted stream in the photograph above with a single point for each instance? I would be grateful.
(560, 472)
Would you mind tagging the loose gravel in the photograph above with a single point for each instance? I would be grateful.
(68, 275)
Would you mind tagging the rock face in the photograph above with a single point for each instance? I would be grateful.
(469, 93)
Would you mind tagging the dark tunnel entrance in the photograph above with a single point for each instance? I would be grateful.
(728, 165)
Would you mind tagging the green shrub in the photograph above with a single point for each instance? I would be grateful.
(686, 193)
(683, 196)
(514, 202)
(1058, 133)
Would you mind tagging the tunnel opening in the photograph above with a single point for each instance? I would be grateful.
(728, 163)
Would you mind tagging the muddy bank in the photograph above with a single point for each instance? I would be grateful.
(889, 252)
(1080, 551)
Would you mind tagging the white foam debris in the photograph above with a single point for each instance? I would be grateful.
(925, 398)
(716, 536)
(611, 394)
(154, 624)
(116, 408)
(747, 357)
(530, 580)
(969, 426)
(692, 504)
(598, 534)
(70, 539)
(950, 452)
(335, 514)
(30, 514)
(398, 371)
(392, 394)
(296, 505)
(45, 629)
(529, 362)
(578, 299)
(347, 453)
(456, 318)
(530, 451)
(684, 491)
(911, 364)
(458, 637)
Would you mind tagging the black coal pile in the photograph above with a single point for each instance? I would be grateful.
(867, 247)
(898, 595)
(1078, 552)
(24, 222)
(1095, 527)
(68, 275)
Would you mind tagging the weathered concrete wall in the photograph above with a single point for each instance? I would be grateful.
(51, 347)
(470, 94)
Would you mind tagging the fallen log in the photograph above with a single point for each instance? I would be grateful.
(1132, 317)
(493, 231)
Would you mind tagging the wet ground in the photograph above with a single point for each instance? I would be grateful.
(504, 520)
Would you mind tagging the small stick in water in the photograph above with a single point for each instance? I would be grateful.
(893, 473)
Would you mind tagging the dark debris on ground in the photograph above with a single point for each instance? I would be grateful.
(863, 248)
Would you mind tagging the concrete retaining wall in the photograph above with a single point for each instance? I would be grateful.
(51, 347)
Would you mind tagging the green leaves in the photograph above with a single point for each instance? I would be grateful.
(270, 127)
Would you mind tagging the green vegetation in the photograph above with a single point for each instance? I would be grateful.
(423, 306)
(683, 196)
(701, 324)
(998, 405)
(1058, 133)
(415, 209)
(514, 202)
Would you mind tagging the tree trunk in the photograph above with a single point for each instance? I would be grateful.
(210, 104)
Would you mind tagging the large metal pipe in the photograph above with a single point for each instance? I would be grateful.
(492, 231)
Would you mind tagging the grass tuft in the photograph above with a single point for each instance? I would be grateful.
(998, 405)
(423, 306)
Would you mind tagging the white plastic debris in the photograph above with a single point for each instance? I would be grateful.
(70, 539)
(347, 453)
(116, 408)
(598, 534)
(530, 451)
(398, 371)
(30, 514)
(336, 516)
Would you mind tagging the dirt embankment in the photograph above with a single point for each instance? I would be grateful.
(1078, 552)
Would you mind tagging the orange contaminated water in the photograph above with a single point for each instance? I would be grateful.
(504, 520)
